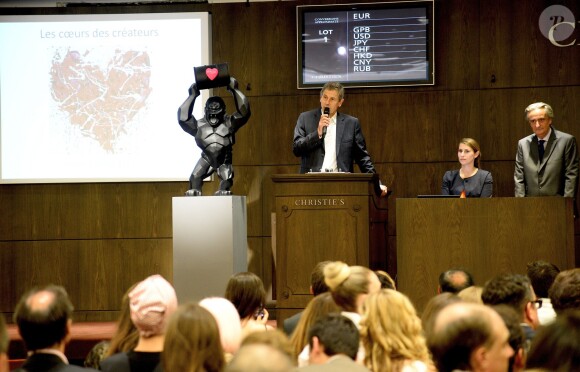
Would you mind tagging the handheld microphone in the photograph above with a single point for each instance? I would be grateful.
(326, 112)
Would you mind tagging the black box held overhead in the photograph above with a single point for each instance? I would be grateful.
(212, 76)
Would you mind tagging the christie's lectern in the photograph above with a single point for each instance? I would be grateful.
(325, 216)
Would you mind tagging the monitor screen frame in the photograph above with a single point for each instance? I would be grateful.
(302, 55)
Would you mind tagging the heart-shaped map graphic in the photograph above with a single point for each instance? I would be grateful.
(101, 97)
(211, 73)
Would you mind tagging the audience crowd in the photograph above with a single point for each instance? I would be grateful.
(356, 320)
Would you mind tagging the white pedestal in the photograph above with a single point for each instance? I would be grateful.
(209, 244)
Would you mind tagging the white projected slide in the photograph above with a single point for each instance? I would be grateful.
(94, 98)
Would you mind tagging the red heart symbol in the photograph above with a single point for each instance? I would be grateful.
(211, 73)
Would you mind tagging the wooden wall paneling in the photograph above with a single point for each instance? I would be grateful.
(456, 44)
(80, 211)
(268, 140)
(416, 127)
(231, 39)
(247, 181)
(94, 272)
(515, 51)
(258, 42)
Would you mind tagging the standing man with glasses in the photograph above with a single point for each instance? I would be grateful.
(546, 161)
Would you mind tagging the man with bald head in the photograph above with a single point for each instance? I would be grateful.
(43, 316)
(454, 281)
(470, 337)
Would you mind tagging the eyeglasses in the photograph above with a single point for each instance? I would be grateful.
(537, 303)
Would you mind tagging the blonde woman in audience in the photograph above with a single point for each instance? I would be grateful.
(246, 291)
(319, 306)
(392, 335)
(228, 322)
(350, 286)
(192, 341)
(471, 294)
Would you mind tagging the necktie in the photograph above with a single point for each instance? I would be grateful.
(541, 149)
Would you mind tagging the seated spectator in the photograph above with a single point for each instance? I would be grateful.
(471, 294)
(4, 342)
(557, 346)
(565, 291)
(454, 280)
(276, 338)
(126, 336)
(517, 338)
(433, 307)
(386, 281)
(515, 290)
(542, 274)
(469, 337)
(259, 358)
(392, 335)
(228, 322)
(318, 307)
(43, 316)
(334, 343)
(192, 341)
(246, 291)
(317, 286)
(152, 302)
(350, 286)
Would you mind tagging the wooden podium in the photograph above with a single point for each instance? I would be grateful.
(487, 236)
(325, 216)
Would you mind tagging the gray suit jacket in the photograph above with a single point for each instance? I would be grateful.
(558, 172)
(350, 143)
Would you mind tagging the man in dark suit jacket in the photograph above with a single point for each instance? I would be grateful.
(547, 161)
(328, 141)
(43, 316)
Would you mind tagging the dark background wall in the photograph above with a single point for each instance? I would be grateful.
(491, 61)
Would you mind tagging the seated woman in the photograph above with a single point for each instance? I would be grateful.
(468, 181)
(246, 291)
(392, 335)
(192, 341)
(350, 286)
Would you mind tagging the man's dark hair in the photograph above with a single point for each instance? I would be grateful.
(44, 327)
(455, 280)
(542, 275)
(317, 279)
(337, 334)
(509, 289)
(517, 338)
(565, 291)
